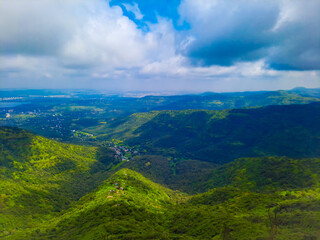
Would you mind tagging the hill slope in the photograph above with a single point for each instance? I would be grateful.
(40, 177)
(222, 136)
(219, 101)
(129, 206)
(126, 206)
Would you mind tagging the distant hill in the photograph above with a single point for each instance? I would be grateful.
(222, 136)
(306, 92)
(219, 101)
(55, 114)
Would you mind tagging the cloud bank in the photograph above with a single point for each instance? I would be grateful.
(284, 33)
(199, 45)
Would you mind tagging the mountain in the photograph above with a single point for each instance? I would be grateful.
(129, 206)
(52, 190)
(265, 174)
(71, 115)
(39, 177)
(219, 101)
(255, 174)
(306, 92)
(222, 136)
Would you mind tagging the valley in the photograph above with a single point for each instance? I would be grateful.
(159, 120)
(97, 167)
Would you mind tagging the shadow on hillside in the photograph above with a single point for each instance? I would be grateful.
(15, 145)
(105, 159)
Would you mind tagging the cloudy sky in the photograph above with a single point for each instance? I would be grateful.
(160, 45)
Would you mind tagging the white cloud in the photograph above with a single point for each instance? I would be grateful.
(86, 36)
(79, 33)
(285, 33)
(88, 44)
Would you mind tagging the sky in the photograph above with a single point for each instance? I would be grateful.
(160, 45)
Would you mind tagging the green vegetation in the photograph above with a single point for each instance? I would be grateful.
(238, 174)
(77, 108)
(216, 101)
(126, 206)
(122, 127)
(99, 114)
(222, 136)
(183, 175)
(51, 190)
(267, 173)
(129, 206)
(39, 177)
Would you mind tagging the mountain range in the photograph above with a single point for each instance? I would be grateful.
(249, 173)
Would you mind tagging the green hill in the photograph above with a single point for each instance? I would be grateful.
(219, 101)
(72, 116)
(129, 206)
(52, 190)
(126, 206)
(267, 174)
(124, 126)
(180, 148)
(222, 136)
(257, 198)
(39, 177)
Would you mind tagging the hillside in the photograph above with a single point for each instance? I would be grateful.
(306, 92)
(53, 190)
(222, 136)
(124, 126)
(265, 174)
(126, 206)
(79, 116)
(219, 101)
(129, 206)
(39, 177)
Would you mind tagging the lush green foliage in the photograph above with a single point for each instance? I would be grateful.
(52, 190)
(222, 136)
(215, 101)
(126, 206)
(267, 173)
(184, 175)
(251, 198)
(129, 206)
(75, 115)
(40, 177)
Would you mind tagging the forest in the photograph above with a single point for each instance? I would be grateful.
(149, 173)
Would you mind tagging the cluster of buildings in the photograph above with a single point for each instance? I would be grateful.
(124, 153)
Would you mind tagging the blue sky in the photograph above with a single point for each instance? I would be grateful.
(164, 45)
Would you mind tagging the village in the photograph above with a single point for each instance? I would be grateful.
(124, 153)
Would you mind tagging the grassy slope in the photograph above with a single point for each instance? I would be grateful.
(261, 198)
(266, 173)
(222, 136)
(122, 127)
(145, 210)
(40, 177)
(214, 137)
(124, 207)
